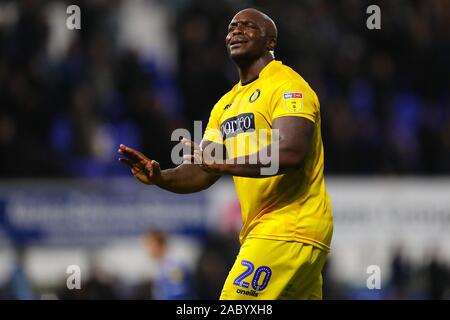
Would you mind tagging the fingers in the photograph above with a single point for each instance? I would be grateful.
(131, 154)
(152, 169)
(196, 157)
(155, 165)
(156, 169)
(149, 167)
(190, 143)
(135, 169)
(188, 159)
(196, 152)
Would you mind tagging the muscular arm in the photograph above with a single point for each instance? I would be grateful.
(295, 135)
(185, 178)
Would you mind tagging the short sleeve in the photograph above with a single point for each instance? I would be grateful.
(293, 98)
(212, 131)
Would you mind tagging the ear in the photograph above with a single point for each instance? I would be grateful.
(271, 44)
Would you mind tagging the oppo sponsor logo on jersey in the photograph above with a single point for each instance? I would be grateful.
(241, 123)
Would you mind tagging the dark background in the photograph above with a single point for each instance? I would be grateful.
(384, 93)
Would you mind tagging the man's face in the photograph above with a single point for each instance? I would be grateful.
(154, 247)
(246, 38)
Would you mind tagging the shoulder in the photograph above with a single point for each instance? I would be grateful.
(284, 74)
(285, 79)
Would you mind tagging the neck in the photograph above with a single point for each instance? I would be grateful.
(250, 71)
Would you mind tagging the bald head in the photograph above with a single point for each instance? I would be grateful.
(263, 19)
(251, 35)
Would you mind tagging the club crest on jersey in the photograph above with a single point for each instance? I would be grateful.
(254, 96)
(293, 101)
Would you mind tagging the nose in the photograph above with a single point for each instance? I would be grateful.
(237, 30)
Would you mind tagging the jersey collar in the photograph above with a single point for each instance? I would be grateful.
(269, 67)
(262, 73)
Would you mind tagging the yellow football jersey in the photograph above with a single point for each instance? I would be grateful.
(293, 206)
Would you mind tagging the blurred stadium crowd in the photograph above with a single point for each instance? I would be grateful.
(384, 94)
(175, 280)
(68, 98)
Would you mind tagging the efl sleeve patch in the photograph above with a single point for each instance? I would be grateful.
(293, 101)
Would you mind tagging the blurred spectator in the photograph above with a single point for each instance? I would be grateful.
(173, 279)
(401, 272)
(18, 287)
(437, 278)
(218, 254)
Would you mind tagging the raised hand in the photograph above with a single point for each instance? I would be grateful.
(144, 169)
(197, 155)
(206, 161)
